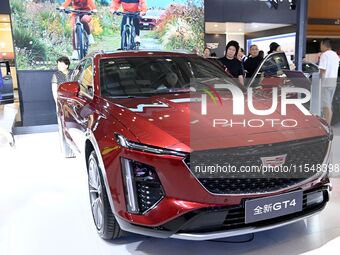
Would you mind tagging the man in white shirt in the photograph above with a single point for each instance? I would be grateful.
(328, 65)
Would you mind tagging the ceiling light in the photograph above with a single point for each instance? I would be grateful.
(275, 3)
(272, 4)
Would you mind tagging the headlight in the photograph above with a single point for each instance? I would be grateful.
(147, 148)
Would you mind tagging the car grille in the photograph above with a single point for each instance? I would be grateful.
(298, 153)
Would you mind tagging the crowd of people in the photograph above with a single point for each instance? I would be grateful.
(237, 63)
(240, 66)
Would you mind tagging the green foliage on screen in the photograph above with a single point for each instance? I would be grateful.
(42, 34)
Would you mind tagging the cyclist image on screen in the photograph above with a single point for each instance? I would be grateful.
(81, 5)
(130, 6)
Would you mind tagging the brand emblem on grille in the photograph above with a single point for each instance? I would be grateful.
(274, 161)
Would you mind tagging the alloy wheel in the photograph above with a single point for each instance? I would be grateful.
(95, 188)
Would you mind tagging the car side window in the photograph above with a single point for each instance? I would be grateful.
(84, 75)
(309, 68)
(274, 65)
(77, 71)
(86, 78)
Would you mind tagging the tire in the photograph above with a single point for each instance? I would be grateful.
(104, 220)
(125, 40)
(65, 148)
(79, 42)
(122, 44)
(132, 39)
(128, 40)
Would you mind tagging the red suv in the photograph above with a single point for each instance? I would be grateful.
(135, 117)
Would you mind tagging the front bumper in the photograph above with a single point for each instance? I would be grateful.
(214, 222)
(188, 211)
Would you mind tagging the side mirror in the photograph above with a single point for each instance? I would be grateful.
(68, 89)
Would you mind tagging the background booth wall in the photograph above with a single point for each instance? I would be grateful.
(4, 7)
(37, 104)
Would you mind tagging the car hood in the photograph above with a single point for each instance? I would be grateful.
(175, 121)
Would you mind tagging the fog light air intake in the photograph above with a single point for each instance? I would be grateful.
(143, 189)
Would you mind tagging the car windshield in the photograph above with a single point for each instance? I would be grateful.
(148, 76)
(309, 68)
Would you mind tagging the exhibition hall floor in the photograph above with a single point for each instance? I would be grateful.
(44, 209)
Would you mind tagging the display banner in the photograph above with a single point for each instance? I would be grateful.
(42, 34)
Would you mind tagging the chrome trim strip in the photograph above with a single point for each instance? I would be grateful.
(140, 107)
(318, 175)
(155, 204)
(237, 232)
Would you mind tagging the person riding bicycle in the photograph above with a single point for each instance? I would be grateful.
(130, 6)
(83, 5)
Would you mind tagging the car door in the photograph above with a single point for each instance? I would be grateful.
(309, 68)
(78, 111)
(274, 71)
(271, 72)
